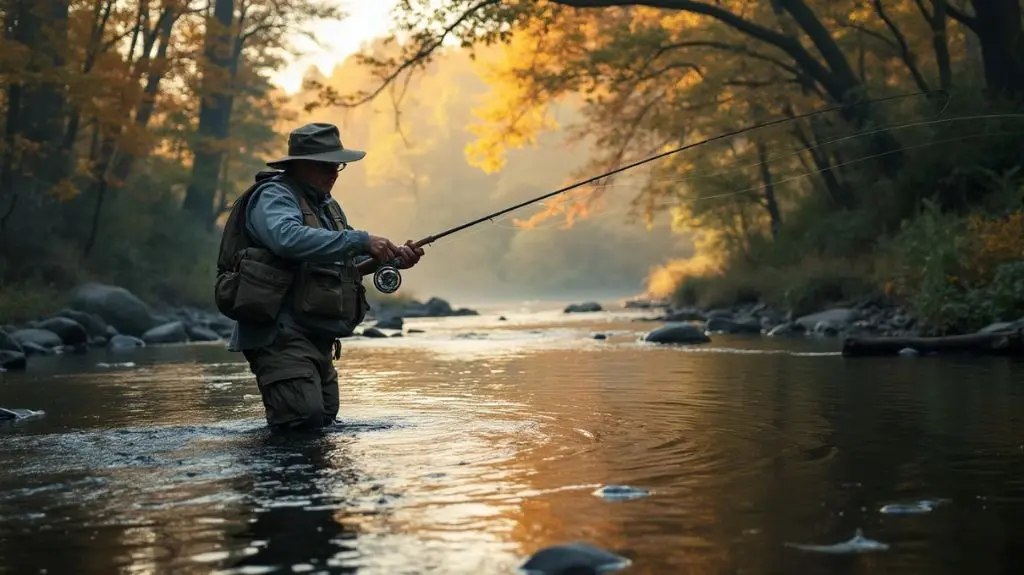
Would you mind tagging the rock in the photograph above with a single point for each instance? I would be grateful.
(437, 307)
(909, 352)
(399, 334)
(116, 305)
(464, 311)
(389, 322)
(8, 343)
(685, 314)
(39, 337)
(573, 559)
(121, 341)
(731, 326)
(502, 318)
(414, 330)
(681, 333)
(645, 303)
(98, 341)
(173, 332)
(1002, 327)
(586, 307)
(373, 332)
(200, 333)
(719, 313)
(11, 360)
(111, 331)
(93, 324)
(68, 330)
(838, 318)
(33, 348)
(600, 336)
(828, 328)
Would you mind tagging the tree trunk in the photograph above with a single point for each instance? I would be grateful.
(768, 190)
(35, 109)
(998, 26)
(214, 107)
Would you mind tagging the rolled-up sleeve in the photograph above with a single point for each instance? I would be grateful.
(275, 220)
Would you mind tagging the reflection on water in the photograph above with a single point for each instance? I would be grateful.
(468, 447)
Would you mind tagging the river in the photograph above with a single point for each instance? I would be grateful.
(467, 447)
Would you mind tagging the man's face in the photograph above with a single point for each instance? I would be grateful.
(318, 174)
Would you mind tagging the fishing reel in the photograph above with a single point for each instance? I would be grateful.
(387, 278)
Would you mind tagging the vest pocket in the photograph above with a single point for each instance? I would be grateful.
(260, 291)
(320, 291)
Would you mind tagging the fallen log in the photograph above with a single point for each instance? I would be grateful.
(999, 343)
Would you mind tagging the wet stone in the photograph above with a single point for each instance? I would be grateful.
(857, 544)
(573, 559)
(620, 492)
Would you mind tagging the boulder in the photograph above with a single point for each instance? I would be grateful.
(464, 311)
(68, 330)
(684, 314)
(8, 343)
(437, 307)
(200, 333)
(678, 333)
(11, 360)
(33, 348)
(838, 318)
(37, 337)
(373, 332)
(116, 305)
(786, 329)
(1003, 327)
(585, 307)
(173, 332)
(121, 341)
(728, 325)
(389, 322)
(93, 324)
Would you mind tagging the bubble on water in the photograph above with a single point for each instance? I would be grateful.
(620, 492)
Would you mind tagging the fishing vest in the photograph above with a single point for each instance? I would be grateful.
(253, 284)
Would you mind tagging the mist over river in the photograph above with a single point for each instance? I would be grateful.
(471, 445)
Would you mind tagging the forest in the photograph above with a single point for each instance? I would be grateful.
(129, 126)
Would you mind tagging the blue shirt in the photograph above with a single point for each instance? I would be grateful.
(274, 219)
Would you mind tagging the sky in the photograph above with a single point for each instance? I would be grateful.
(367, 19)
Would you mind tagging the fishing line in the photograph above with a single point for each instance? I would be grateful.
(854, 161)
(387, 278)
(797, 149)
(891, 127)
(799, 176)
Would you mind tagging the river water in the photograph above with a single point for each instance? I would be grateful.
(467, 447)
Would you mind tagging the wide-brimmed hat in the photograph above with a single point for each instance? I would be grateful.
(317, 143)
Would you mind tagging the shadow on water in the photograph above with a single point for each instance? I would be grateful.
(295, 524)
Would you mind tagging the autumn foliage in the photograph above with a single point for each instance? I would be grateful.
(126, 127)
(814, 205)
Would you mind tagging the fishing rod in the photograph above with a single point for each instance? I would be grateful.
(387, 279)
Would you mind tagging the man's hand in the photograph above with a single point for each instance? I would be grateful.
(382, 249)
(410, 254)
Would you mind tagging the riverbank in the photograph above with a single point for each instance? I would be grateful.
(96, 315)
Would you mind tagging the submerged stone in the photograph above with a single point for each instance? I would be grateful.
(857, 544)
(913, 508)
(620, 492)
(573, 559)
(18, 414)
(678, 333)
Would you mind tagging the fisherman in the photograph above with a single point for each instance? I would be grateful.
(290, 273)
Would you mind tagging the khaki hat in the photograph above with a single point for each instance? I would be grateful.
(317, 143)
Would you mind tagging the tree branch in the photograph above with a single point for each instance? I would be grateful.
(421, 55)
(905, 54)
